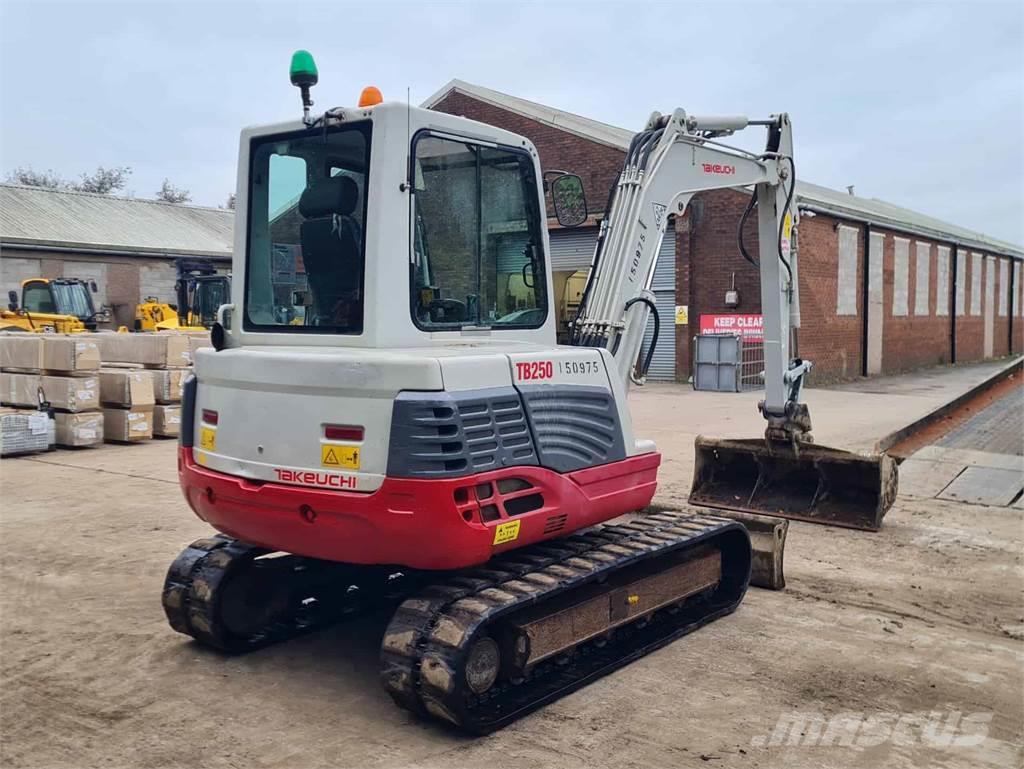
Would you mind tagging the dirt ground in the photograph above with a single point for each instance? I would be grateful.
(921, 621)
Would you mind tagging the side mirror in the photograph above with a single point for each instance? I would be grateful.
(92, 286)
(569, 201)
(12, 301)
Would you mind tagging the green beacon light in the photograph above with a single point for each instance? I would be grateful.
(304, 75)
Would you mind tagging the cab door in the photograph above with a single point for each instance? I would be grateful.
(36, 297)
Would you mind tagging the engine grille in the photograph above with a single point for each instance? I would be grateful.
(452, 434)
(575, 426)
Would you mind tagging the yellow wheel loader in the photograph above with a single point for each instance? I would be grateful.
(53, 305)
(199, 291)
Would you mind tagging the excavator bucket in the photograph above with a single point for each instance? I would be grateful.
(810, 483)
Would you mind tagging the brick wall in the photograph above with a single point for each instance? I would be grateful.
(707, 257)
(834, 343)
(598, 165)
(911, 340)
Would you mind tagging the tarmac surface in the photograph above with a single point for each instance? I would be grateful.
(899, 648)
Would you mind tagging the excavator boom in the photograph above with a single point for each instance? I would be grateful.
(785, 473)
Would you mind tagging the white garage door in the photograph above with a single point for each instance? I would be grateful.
(157, 280)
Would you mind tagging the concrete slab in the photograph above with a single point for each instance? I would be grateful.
(925, 477)
(971, 458)
(985, 486)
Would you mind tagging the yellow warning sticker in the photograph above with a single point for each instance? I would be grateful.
(332, 455)
(208, 439)
(787, 226)
(506, 532)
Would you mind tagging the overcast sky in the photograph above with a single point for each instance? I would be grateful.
(921, 105)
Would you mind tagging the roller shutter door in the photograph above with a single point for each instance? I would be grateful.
(663, 365)
(572, 249)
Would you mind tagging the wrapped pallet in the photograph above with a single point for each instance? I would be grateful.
(127, 425)
(69, 393)
(126, 388)
(18, 389)
(71, 354)
(21, 352)
(162, 349)
(78, 430)
(167, 420)
(24, 431)
(168, 384)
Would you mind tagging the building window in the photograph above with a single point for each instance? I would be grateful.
(942, 281)
(900, 276)
(1004, 289)
(975, 284)
(478, 248)
(922, 278)
(1018, 290)
(846, 283)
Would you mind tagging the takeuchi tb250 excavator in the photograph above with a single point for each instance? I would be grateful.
(386, 417)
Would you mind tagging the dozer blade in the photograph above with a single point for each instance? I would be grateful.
(811, 483)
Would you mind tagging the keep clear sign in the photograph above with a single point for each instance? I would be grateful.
(750, 325)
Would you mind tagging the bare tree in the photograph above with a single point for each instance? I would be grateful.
(103, 181)
(31, 178)
(171, 194)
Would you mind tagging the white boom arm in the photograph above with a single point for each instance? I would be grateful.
(673, 158)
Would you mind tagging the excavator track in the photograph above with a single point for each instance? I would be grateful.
(226, 594)
(491, 644)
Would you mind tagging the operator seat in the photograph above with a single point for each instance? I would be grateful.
(331, 251)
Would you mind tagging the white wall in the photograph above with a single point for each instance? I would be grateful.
(942, 281)
(901, 276)
(157, 280)
(921, 279)
(13, 271)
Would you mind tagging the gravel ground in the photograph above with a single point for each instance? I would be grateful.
(899, 648)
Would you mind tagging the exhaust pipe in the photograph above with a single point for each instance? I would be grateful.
(807, 483)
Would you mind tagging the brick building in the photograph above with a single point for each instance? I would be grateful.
(127, 246)
(883, 289)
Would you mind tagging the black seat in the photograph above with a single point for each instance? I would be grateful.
(331, 250)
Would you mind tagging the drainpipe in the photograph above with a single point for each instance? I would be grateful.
(955, 258)
(1012, 289)
(865, 298)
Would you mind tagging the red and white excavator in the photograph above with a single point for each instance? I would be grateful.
(386, 415)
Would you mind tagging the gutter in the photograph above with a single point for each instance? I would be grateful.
(12, 246)
(902, 227)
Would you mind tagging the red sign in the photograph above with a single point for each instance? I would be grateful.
(747, 326)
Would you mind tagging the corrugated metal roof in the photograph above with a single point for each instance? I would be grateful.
(888, 215)
(839, 203)
(65, 219)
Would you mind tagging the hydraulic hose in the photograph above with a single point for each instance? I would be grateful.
(743, 221)
(785, 209)
(657, 329)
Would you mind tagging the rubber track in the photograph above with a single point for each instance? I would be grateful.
(425, 645)
(193, 593)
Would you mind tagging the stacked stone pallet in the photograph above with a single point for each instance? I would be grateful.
(141, 383)
(59, 372)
